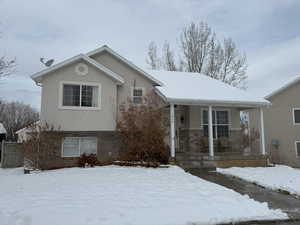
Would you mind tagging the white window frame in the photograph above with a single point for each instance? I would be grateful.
(76, 156)
(137, 88)
(60, 100)
(298, 156)
(294, 118)
(216, 130)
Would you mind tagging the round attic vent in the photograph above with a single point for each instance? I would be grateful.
(82, 69)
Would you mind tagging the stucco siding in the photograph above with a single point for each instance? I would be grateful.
(132, 78)
(278, 122)
(79, 119)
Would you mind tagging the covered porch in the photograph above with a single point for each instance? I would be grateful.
(216, 135)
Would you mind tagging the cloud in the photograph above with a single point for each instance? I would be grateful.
(61, 29)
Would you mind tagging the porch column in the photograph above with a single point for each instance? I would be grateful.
(262, 132)
(210, 132)
(172, 130)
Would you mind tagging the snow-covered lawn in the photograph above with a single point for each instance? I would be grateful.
(276, 178)
(121, 195)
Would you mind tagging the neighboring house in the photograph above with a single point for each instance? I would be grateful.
(282, 124)
(84, 95)
(24, 133)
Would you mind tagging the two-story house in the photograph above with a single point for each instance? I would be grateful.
(83, 96)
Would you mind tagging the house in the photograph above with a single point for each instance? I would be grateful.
(83, 96)
(282, 124)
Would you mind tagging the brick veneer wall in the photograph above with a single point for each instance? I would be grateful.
(108, 147)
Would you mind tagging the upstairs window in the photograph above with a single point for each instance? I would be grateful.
(220, 120)
(80, 95)
(137, 95)
(296, 114)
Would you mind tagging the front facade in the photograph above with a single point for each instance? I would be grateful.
(83, 96)
(282, 124)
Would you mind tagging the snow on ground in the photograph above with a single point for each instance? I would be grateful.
(121, 195)
(275, 178)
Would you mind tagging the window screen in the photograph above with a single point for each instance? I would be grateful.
(71, 147)
(137, 95)
(71, 95)
(76, 146)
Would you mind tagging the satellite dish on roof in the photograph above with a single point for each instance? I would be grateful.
(47, 63)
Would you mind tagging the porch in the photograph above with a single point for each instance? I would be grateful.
(209, 136)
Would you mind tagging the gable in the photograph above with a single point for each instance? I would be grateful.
(290, 96)
(38, 77)
(123, 62)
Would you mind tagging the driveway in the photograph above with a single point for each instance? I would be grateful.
(275, 200)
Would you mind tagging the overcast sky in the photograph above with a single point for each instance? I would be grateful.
(267, 30)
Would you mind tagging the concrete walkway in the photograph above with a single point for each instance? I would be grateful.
(286, 203)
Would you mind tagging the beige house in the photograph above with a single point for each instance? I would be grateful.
(282, 124)
(84, 95)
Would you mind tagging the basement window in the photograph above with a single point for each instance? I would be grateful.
(76, 146)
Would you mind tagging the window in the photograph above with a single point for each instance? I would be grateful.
(137, 95)
(296, 114)
(80, 95)
(76, 146)
(297, 145)
(220, 119)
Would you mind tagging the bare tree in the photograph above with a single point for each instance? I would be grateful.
(168, 58)
(7, 66)
(195, 46)
(153, 60)
(16, 115)
(201, 52)
(234, 65)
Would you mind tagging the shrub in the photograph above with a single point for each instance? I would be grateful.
(40, 145)
(88, 160)
(142, 133)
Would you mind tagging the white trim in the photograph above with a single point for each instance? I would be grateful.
(262, 130)
(38, 76)
(137, 88)
(60, 95)
(172, 130)
(298, 156)
(124, 60)
(294, 119)
(79, 143)
(277, 91)
(210, 131)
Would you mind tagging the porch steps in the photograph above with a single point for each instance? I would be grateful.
(192, 160)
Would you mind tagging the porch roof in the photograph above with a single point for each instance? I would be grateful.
(195, 88)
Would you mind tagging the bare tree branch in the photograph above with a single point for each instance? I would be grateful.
(168, 58)
(153, 59)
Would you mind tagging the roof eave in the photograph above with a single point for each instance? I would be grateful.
(218, 102)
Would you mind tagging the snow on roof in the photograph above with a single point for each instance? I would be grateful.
(284, 85)
(199, 88)
(2, 129)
